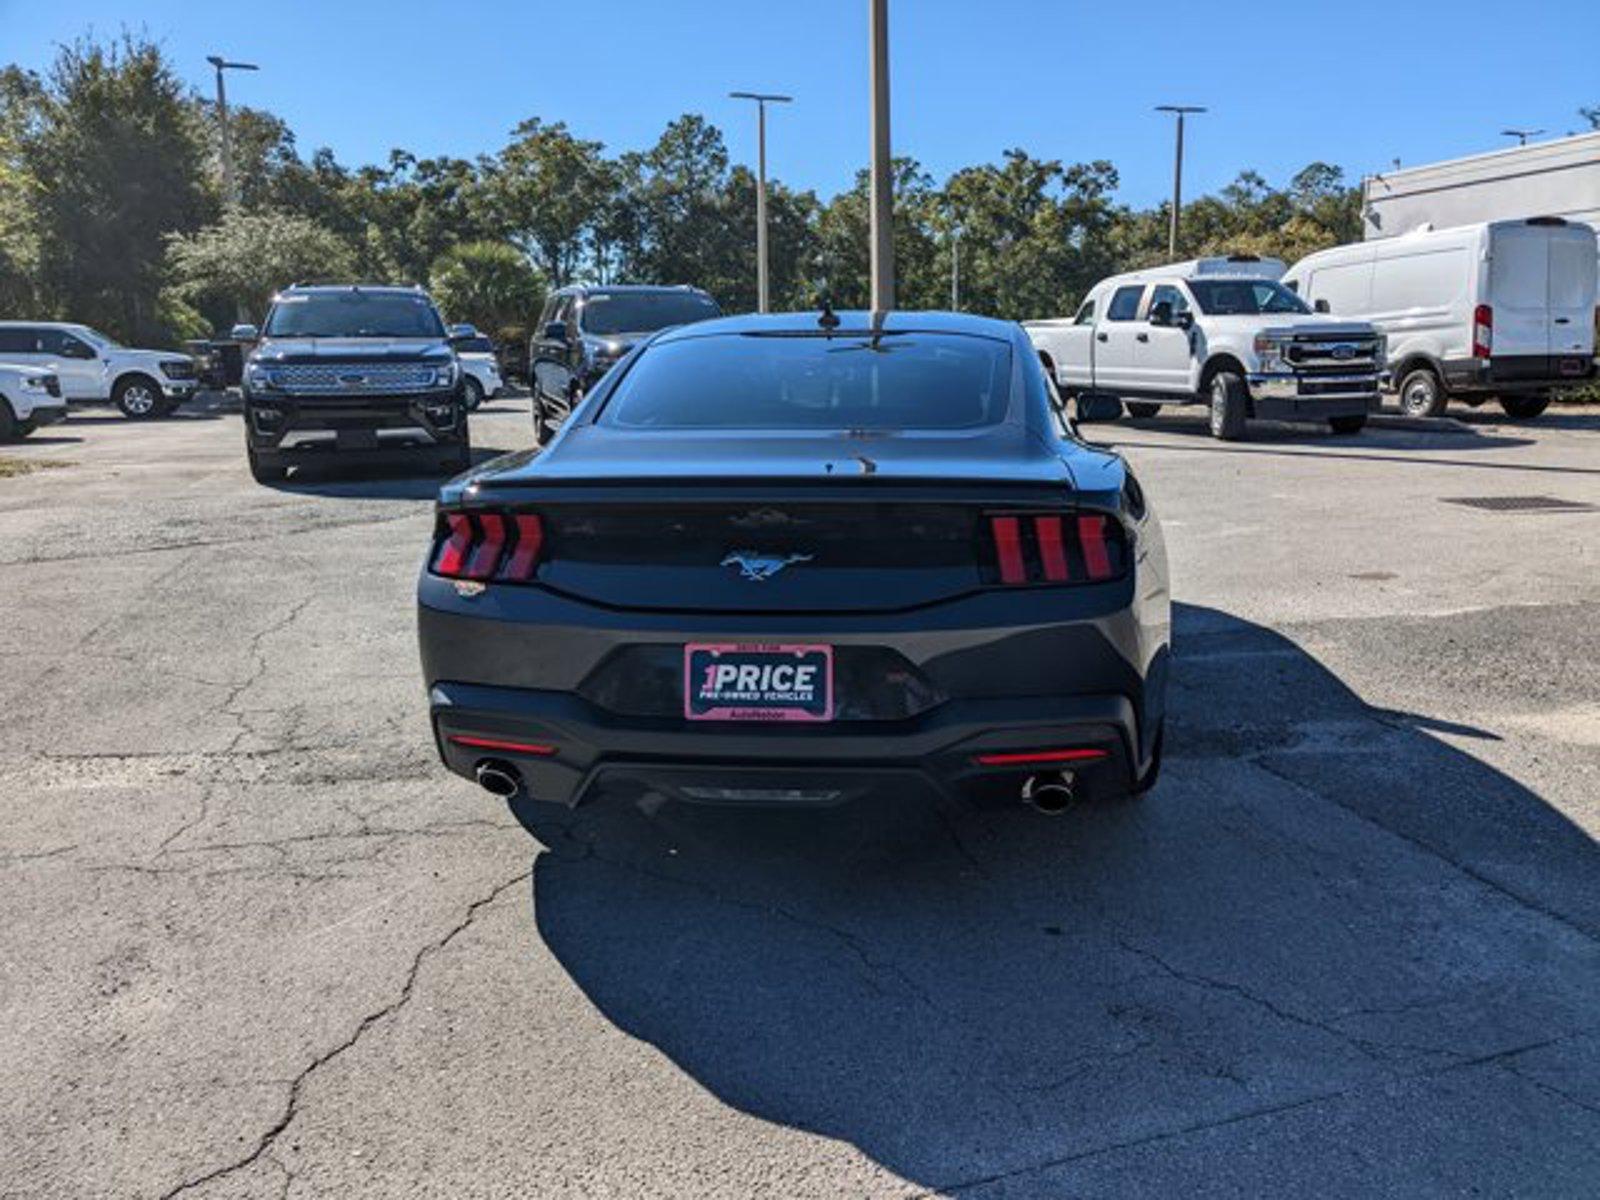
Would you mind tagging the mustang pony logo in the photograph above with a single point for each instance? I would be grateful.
(757, 566)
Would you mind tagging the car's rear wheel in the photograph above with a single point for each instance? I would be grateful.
(139, 397)
(1525, 407)
(1142, 410)
(1348, 425)
(471, 393)
(541, 423)
(1421, 394)
(1229, 406)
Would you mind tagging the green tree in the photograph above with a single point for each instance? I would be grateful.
(116, 160)
(550, 192)
(239, 262)
(20, 105)
(1591, 115)
(490, 285)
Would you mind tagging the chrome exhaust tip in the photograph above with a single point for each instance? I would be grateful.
(1050, 794)
(498, 778)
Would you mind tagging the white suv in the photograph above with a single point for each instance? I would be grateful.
(94, 368)
(29, 398)
(480, 370)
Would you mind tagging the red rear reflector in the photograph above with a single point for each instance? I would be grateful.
(525, 555)
(1092, 535)
(1033, 757)
(453, 554)
(1008, 547)
(537, 749)
(487, 554)
(1482, 331)
(1051, 551)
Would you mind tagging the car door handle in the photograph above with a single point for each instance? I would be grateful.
(1563, 321)
(1144, 337)
(1100, 337)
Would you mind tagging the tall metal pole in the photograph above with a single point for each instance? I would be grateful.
(761, 99)
(230, 194)
(955, 268)
(1182, 110)
(882, 178)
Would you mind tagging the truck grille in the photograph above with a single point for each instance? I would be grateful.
(1312, 355)
(353, 379)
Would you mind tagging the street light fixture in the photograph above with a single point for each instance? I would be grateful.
(1522, 135)
(762, 99)
(1181, 111)
(222, 64)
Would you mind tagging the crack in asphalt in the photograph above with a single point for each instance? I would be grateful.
(262, 664)
(296, 1088)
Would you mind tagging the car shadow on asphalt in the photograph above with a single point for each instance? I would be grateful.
(1330, 954)
(1258, 434)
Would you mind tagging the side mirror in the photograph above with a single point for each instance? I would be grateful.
(1161, 313)
(1183, 320)
(462, 333)
(245, 333)
(556, 331)
(1322, 305)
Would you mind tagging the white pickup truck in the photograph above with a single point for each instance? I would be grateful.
(1216, 331)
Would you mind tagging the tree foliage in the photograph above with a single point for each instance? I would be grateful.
(109, 189)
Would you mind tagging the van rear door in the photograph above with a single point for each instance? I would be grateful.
(1541, 288)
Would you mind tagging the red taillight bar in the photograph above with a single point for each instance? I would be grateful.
(1482, 331)
(1028, 758)
(536, 749)
(489, 545)
(1052, 548)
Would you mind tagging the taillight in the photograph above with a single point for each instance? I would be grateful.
(1056, 548)
(1482, 331)
(488, 545)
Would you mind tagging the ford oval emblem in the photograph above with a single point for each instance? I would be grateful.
(352, 380)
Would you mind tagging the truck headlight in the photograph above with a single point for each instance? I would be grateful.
(1270, 354)
(445, 376)
(34, 383)
(259, 378)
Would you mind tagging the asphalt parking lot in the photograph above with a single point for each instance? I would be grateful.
(256, 942)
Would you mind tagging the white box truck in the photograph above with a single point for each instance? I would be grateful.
(1497, 310)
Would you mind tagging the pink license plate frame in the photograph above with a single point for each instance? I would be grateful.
(709, 696)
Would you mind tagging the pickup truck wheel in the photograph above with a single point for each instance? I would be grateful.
(541, 427)
(1141, 410)
(1347, 425)
(1525, 407)
(471, 393)
(1229, 405)
(1421, 395)
(138, 397)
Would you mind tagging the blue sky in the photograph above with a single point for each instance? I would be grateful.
(1287, 83)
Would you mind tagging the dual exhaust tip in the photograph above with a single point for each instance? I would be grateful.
(1051, 793)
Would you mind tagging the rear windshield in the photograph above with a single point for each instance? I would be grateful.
(893, 381)
(643, 312)
(354, 314)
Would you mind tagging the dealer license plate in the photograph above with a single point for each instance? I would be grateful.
(758, 682)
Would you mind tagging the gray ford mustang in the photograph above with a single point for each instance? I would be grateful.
(798, 559)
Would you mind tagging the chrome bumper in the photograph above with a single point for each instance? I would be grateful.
(1312, 388)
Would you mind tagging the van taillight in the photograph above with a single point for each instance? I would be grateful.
(488, 545)
(1482, 331)
(1028, 548)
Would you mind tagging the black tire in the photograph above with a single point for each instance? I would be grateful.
(1421, 394)
(1230, 405)
(24, 428)
(139, 398)
(541, 426)
(1348, 425)
(1142, 410)
(8, 423)
(263, 473)
(1090, 407)
(1525, 407)
(459, 458)
(471, 393)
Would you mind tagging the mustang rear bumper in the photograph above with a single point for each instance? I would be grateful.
(582, 700)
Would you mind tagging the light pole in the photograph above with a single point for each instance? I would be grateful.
(229, 196)
(1522, 135)
(882, 177)
(1181, 110)
(955, 268)
(762, 99)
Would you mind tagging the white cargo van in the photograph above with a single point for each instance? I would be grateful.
(1500, 310)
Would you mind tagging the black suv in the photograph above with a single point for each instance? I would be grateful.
(364, 373)
(583, 331)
